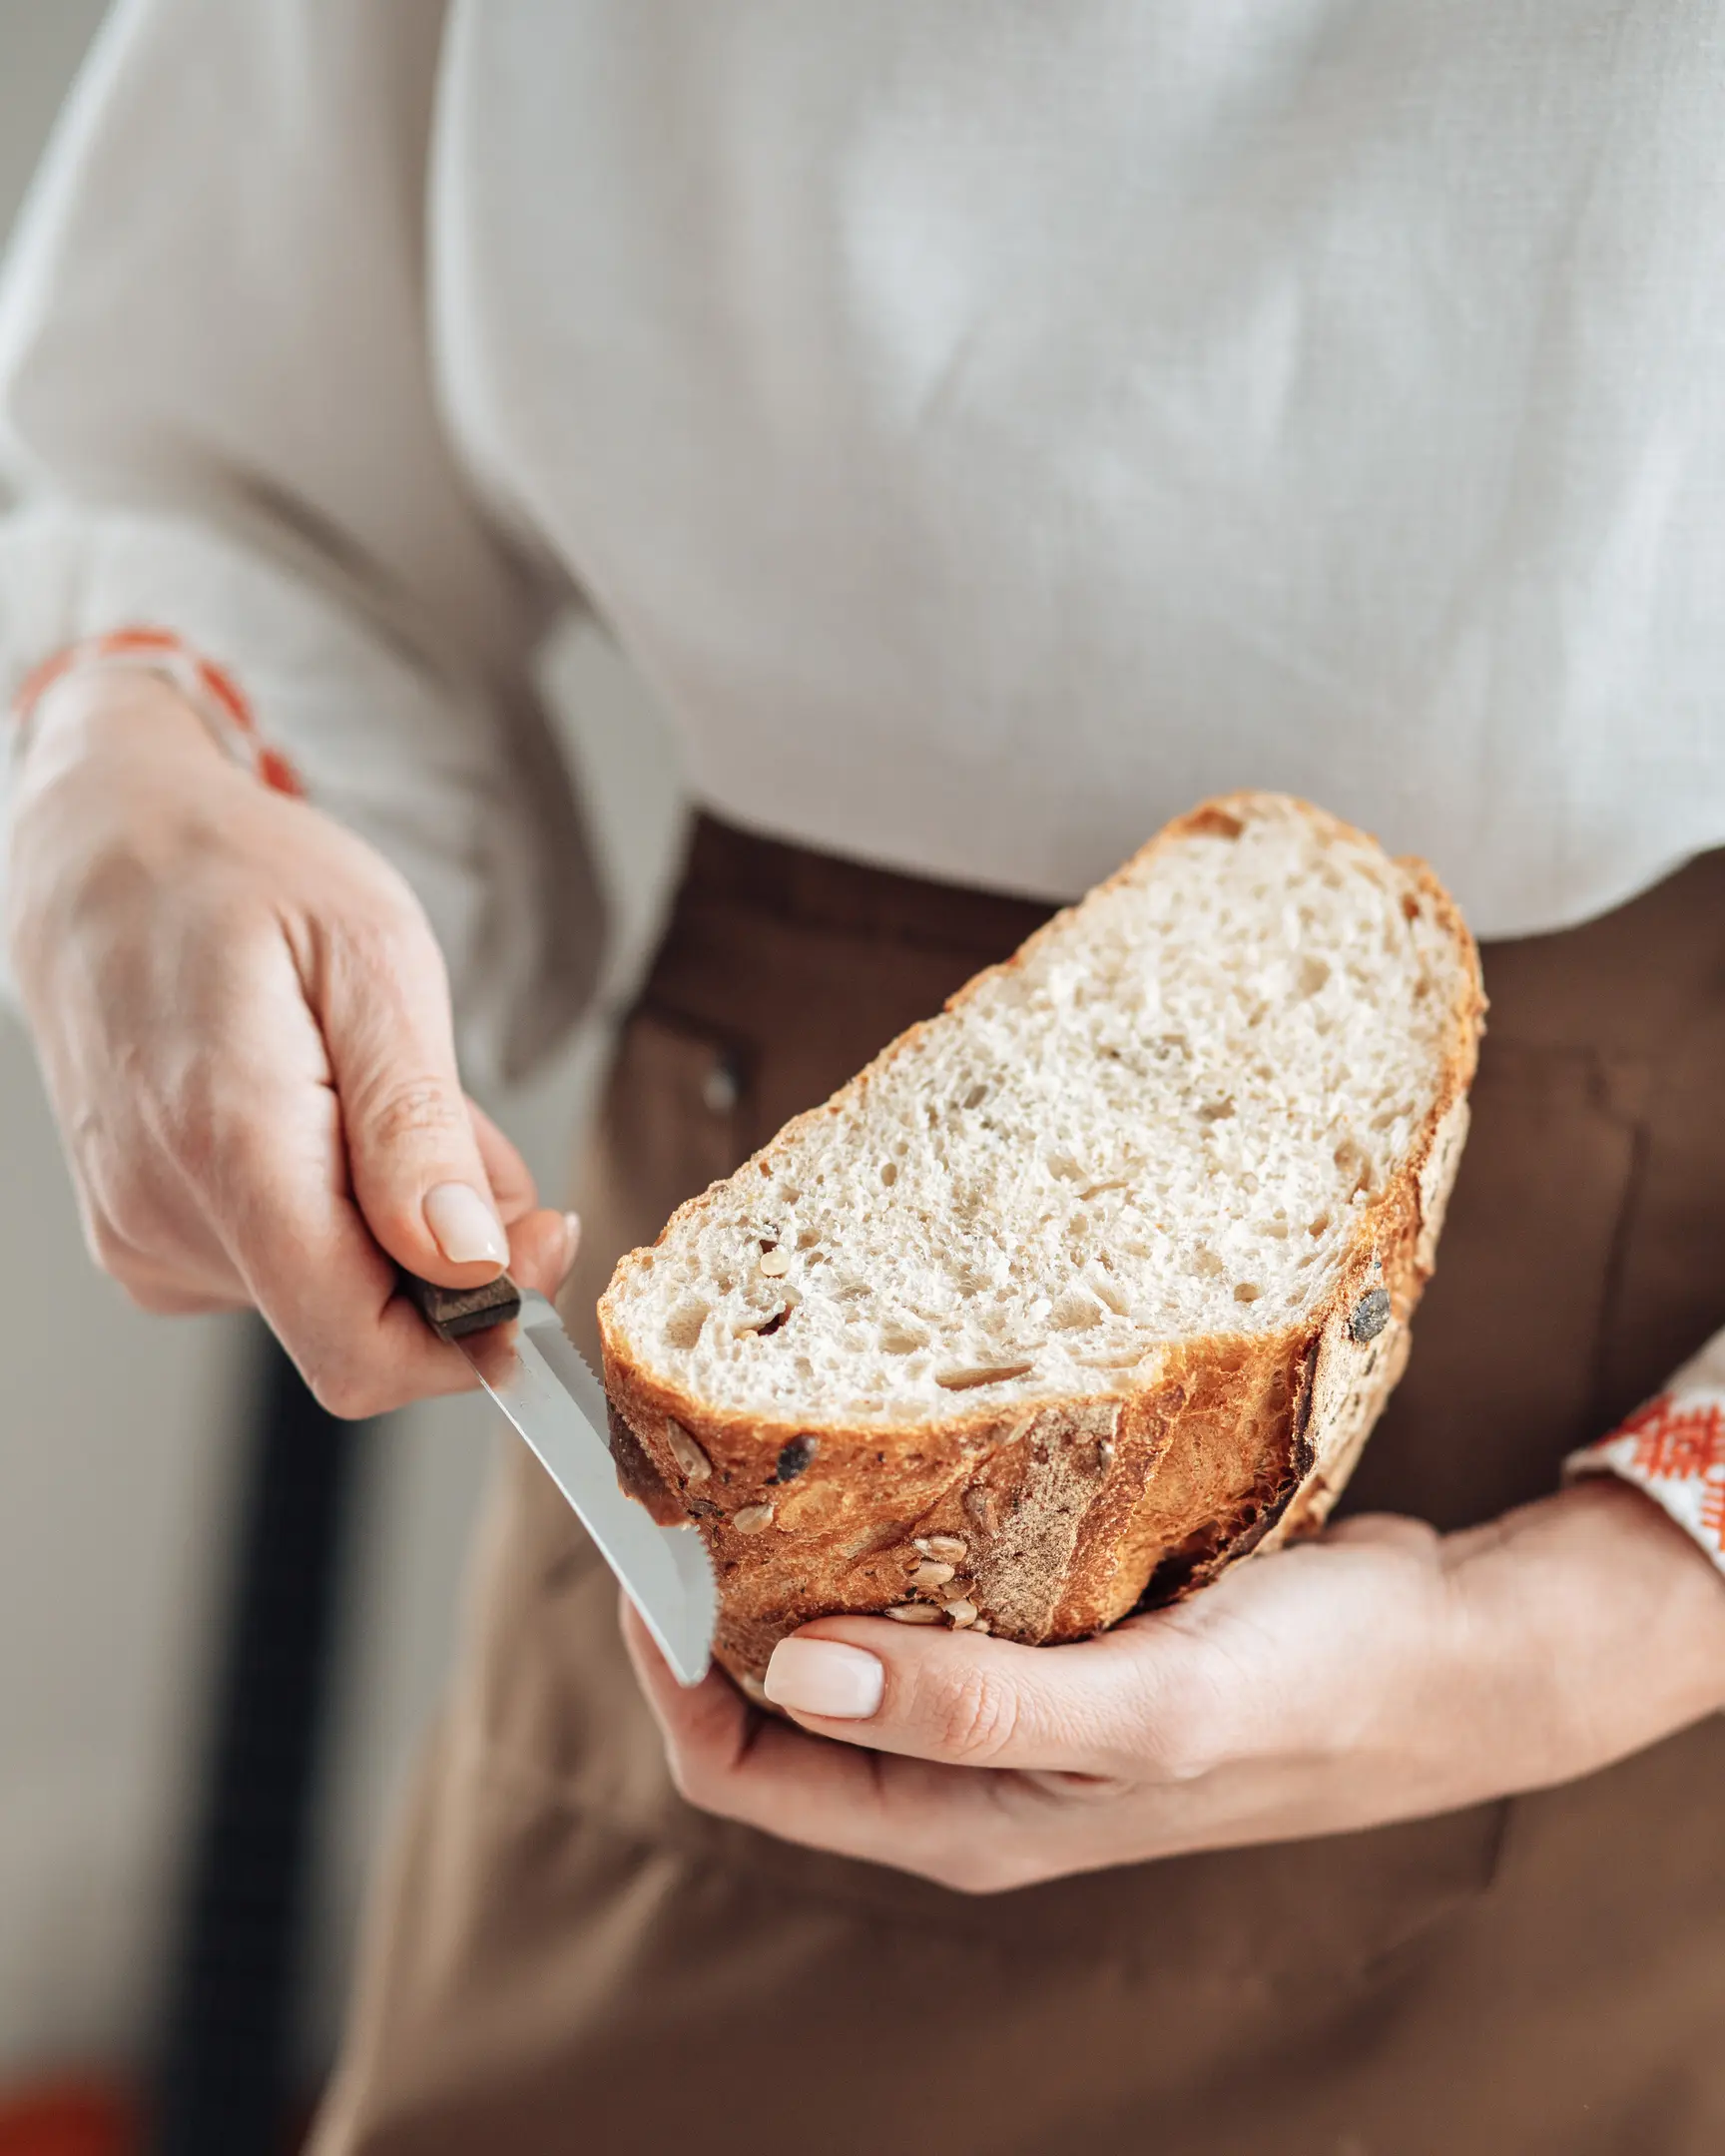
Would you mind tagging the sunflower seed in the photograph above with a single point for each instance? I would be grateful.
(949, 1546)
(914, 1613)
(932, 1575)
(686, 1453)
(752, 1518)
(979, 1508)
(962, 1613)
(774, 1263)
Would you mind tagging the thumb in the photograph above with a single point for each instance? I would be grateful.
(950, 1696)
(417, 1173)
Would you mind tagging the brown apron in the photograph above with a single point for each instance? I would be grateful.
(566, 1958)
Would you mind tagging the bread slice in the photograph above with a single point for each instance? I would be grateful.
(1094, 1282)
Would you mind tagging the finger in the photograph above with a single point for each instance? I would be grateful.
(162, 1300)
(542, 1248)
(381, 997)
(312, 1265)
(1382, 1530)
(1088, 1709)
(745, 1766)
(510, 1177)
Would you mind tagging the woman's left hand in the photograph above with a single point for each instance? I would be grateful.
(1381, 1671)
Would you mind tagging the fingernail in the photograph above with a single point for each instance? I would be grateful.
(464, 1227)
(821, 1677)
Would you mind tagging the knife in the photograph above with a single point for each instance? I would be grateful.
(521, 1354)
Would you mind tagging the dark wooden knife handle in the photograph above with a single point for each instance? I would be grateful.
(451, 1312)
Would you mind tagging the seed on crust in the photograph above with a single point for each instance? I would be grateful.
(981, 1625)
(961, 1612)
(686, 1453)
(914, 1613)
(1371, 1314)
(932, 1575)
(752, 1518)
(774, 1262)
(979, 1508)
(795, 1456)
(952, 1547)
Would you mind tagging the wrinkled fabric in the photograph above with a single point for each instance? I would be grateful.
(991, 428)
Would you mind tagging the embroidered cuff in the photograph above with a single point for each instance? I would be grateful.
(1673, 1449)
(208, 689)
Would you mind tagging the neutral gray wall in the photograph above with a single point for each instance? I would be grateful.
(119, 1438)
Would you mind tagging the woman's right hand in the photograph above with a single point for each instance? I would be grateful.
(243, 1024)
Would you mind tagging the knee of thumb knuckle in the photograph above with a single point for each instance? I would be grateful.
(410, 1110)
(971, 1713)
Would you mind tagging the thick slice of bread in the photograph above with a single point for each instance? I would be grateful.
(1092, 1283)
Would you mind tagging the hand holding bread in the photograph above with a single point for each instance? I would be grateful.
(1377, 1673)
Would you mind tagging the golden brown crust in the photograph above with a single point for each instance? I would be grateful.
(1059, 1517)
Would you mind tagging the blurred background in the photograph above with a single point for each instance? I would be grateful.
(141, 1718)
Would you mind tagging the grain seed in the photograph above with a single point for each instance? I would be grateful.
(952, 1546)
(979, 1508)
(752, 1518)
(962, 1613)
(932, 1575)
(774, 1262)
(1371, 1315)
(686, 1453)
(914, 1613)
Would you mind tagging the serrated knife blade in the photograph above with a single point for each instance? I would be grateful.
(522, 1356)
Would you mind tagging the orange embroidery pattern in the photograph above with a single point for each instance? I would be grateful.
(1677, 1443)
(212, 688)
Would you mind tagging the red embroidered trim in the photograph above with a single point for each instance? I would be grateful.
(1680, 1444)
(1677, 1443)
(210, 687)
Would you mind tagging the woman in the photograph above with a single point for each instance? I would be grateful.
(993, 429)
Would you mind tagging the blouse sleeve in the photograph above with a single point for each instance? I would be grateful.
(1673, 1449)
(219, 420)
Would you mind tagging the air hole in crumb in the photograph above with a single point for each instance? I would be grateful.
(1314, 972)
(889, 1172)
(1409, 906)
(1207, 1262)
(977, 1096)
(683, 1326)
(779, 1319)
(1320, 1226)
(1247, 1292)
(962, 1381)
(1075, 1311)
